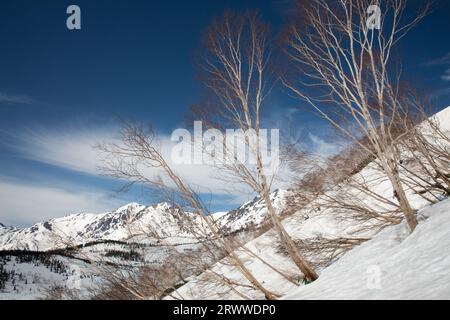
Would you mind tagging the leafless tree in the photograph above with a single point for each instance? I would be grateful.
(325, 250)
(236, 70)
(57, 292)
(139, 151)
(425, 147)
(342, 186)
(344, 70)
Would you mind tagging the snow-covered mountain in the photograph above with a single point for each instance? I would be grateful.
(131, 235)
(251, 214)
(73, 229)
(130, 223)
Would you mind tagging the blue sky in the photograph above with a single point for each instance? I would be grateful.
(62, 91)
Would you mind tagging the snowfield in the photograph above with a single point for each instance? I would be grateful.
(393, 265)
(34, 280)
(305, 224)
(311, 221)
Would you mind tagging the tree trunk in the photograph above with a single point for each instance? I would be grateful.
(408, 212)
(289, 244)
(269, 295)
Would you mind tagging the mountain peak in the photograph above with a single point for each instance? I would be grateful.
(132, 206)
(117, 225)
(162, 205)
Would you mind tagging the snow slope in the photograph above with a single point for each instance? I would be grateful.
(311, 221)
(32, 279)
(443, 118)
(305, 224)
(393, 265)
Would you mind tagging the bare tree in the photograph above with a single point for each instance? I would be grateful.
(237, 71)
(426, 149)
(139, 151)
(344, 67)
(345, 185)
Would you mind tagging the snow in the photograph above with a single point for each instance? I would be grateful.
(393, 265)
(251, 213)
(306, 224)
(407, 264)
(218, 215)
(443, 119)
(38, 279)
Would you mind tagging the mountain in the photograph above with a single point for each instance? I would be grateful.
(251, 214)
(130, 223)
(131, 235)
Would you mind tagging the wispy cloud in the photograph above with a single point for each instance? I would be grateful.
(14, 99)
(23, 204)
(439, 61)
(71, 147)
(324, 148)
(74, 149)
(446, 75)
(68, 148)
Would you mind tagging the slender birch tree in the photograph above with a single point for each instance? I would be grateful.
(237, 70)
(342, 53)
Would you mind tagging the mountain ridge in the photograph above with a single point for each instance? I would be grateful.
(160, 220)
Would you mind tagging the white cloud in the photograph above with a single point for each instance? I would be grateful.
(446, 75)
(69, 148)
(443, 61)
(23, 204)
(14, 99)
(322, 147)
(73, 149)
(439, 61)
